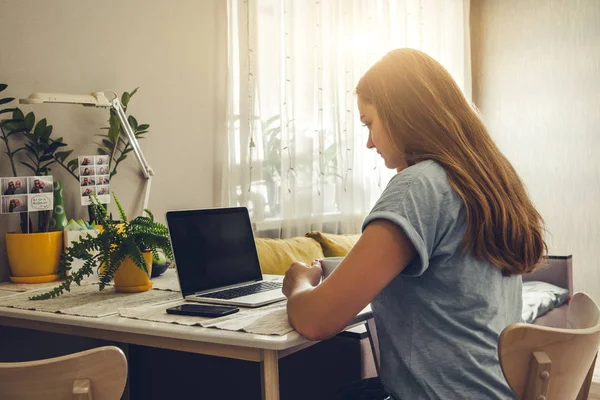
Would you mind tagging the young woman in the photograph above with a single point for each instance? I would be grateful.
(442, 251)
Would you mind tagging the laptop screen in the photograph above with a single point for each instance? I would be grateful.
(213, 248)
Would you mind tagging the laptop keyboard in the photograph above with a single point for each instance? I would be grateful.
(228, 294)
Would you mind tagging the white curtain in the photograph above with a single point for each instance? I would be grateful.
(295, 150)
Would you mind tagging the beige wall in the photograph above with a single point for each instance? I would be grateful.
(174, 51)
(536, 72)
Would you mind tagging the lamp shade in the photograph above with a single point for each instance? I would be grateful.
(95, 99)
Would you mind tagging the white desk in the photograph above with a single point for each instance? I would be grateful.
(266, 350)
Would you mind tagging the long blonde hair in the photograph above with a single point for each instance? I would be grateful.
(424, 110)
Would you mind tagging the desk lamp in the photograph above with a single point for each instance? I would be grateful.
(98, 99)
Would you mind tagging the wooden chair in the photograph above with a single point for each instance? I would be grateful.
(99, 373)
(545, 363)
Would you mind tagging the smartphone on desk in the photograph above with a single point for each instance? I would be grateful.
(201, 310)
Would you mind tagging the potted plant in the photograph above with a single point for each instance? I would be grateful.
(33, 255)
(122, 250)
(115, 143)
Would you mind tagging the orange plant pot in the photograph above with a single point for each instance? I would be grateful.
(129, 278)
(34, 257)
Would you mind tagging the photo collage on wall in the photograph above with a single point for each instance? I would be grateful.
(94, 179)
(26, 194)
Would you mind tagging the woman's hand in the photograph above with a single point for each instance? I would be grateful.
(301, 275)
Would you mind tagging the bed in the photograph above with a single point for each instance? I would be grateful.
(557, 271)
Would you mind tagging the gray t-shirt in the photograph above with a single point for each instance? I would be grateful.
(439, 321)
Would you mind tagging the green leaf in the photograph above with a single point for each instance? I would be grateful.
(133, 122)
(40, 128)
(143, 127)
(103, 152)
(47, 132)
(29, 166)
(8, 122)
(107, 143)
(6, 100)
(62, 155)
(133, 92)
(113, 134)
(46, 157)
(114, 119)
(3, 86)
(7, 110)
(139, 134)
(29, 121)
(125, 97)
(16, 131)
(74, 163)
(18, 114)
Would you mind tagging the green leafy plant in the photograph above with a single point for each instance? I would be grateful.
(3, 124)
(114, 143)
(115, 242)
(40, 151)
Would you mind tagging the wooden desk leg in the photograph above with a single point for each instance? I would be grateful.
(269, 373)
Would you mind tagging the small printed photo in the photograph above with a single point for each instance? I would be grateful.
(85, 160)
(102, 170)
(14, 204)
(103, 180)
(88, 191)
(101, 160)
(87, 181)
(12, 186)
(86, 171)
(41, 202)
(40, 184)
(102, 190)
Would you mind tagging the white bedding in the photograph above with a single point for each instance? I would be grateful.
(540, 298)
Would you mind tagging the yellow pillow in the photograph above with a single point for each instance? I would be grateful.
(334, 245)
(276, 255)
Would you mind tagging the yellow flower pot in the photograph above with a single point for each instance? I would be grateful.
(130, 278)
(34, 257)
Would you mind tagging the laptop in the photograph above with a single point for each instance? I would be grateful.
(216, 258)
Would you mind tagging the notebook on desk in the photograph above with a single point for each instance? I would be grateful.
(216, 258)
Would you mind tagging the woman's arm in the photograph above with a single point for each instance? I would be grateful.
(319, 311)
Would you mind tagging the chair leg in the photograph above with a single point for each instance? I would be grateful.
(587, 383)
(374, 341)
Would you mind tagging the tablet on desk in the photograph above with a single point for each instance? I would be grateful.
(201, 310)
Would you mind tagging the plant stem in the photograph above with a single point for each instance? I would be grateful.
(117, 162)
(24, 222)
(10, 154)
(65, 167)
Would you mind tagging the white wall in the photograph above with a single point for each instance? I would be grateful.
(174, 51)
(536, 70)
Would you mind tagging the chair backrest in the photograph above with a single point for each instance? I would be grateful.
(102, 372)
(538, 360)
(374, 342)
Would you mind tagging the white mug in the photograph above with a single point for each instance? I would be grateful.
(328, 264)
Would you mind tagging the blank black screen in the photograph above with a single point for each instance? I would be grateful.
(213, 248)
